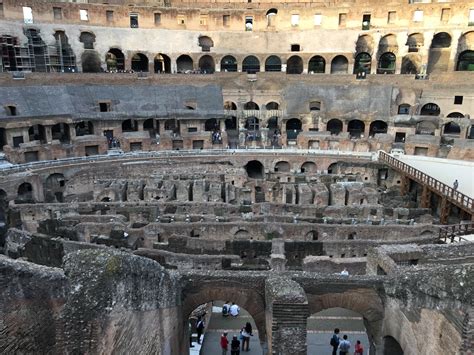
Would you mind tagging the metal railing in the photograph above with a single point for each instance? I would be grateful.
(455, 197)
(455, 232)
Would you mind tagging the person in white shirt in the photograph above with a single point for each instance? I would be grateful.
(234, 310)
(345, 272)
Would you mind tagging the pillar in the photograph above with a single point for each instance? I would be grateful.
(426, 197)
(286, 316)
(445, 207)
(48, 133)
(454, 50)
(405, 185)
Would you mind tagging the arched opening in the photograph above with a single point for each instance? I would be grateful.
(129, 126)
(440, 52)
(90, 61)
(363, 63)
(272, 106)
(115, 60)
(273, 63)
(206, 65)
(54, 188)
(339, 65)
(311, 236)
(293, 128)
(84, 128)
(377, 127)
(140, 62)
(251, 64)
(184, 64)
(356, 128)
(271, 17)
(386, 63)
(229, 105)
(251, 106)
(211, 125)
(309, 167)
(66, 61)
(466, 61)
(254, 169)
(315, 105)
(452, 129)
(365, 44)
(282, 167)
(411, 64)
(430, 109)
(37, 133)
(88, 39)
(317, 65)
(388, 43)
(391, 346)
(162, 63)
(404, 109)
(455, 115)
(25, 193)
(294, 65)
(231, 123)
(415, 41)
(229, 64)
(60, 132)
(321, 325)
(334, 126)
(206, 43)
(333, 168)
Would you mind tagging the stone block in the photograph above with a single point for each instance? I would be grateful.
(321, 194)
(337, 194)
(305, 194)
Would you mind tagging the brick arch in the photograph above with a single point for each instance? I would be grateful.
(247, 294)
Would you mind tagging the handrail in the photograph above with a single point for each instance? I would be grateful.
(455, 231)
(454, 196)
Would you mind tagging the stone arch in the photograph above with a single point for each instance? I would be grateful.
(241, 233)
(129, 125)
(415, 41)
(88, 39)
(293, 128)
(255, 169)
(339, 65)
(184, 63)
(440, 50)
(355, 128)
(272, 105)
(362, 63)
(65, 52)
(388, 43)
(206, 43)
(391, 346)
(317, 65)
(251, 106)
(25, 193)
(251, 64)
(90, 61)
(139, 62)
(206, 64)
(452, 128)
(273, 63)
(365, 43)
(430, 109)
(334, 126)
(106, 196)
(377, 127)
(84, 128)
(404, 109)
(230, 105)
(271, 13)
(386, 63)
(294, 65)
(312, 235)
(465, 61)
(162, 63)
(309, 167)
(115, 60)
(229, 64)
(282, 167)
(411, 64)
(455, 115)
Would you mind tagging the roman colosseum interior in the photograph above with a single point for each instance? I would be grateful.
(158, 157)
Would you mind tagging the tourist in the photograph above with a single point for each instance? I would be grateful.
(345, 272)
(335, 340)
(246, 333)
(235, 346)
(455, 184)
(225, 309)
(359, 350)
(344, 346)
(224, 343)
(234, 310)
(199, 329)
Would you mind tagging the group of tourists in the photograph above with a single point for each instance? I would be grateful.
(230, 309)
(344, 345)
(244, 338)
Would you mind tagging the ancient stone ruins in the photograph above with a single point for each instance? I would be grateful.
(142, 179)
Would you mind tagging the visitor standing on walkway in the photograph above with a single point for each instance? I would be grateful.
(335, 340)
(224, 343)
(246, 334)
(455, 184)
(358, 349)
(235, 346)
(344, 346)
(199, 329)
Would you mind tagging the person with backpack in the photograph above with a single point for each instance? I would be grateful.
(199, 329)
(235, 346)
(225, 309)
(344, 346)
(359, 350)
(335, 340)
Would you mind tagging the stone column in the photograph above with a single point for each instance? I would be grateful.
(286, 315)
(454, 50)
(48, 134)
